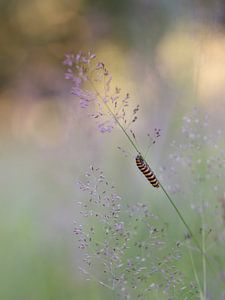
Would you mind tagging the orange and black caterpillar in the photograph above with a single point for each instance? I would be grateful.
(146, 170)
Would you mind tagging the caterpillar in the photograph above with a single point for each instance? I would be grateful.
(146, 170)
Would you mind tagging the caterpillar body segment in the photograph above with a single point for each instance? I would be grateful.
(146, 170)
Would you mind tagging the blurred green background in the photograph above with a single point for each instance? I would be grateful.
(169, 55)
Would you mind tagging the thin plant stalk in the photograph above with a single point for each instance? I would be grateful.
(203, 256)
(181, 217)
(196, 275)
(115, 118)
(202, 250)
(139, 152)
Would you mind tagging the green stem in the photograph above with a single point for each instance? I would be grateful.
(203, 256)
(139, 152)
(124, 131)
(114, 116)
(180, 216)
(196, 275)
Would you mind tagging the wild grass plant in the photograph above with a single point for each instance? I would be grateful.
(127, 248)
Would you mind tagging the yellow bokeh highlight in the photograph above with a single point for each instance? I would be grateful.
(175, 54)
(212, 71)
(117, 62)
(197, 60)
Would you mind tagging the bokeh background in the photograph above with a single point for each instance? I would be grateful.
(169, 55)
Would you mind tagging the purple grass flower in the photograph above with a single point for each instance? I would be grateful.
(92, 84)
(104, 127)
(119, 227)
(124, 247)
(69, 74)
(69, 60)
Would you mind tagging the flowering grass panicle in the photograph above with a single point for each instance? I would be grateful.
(125, 247)
(199, 153)
(196, 168)
(92, 85)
